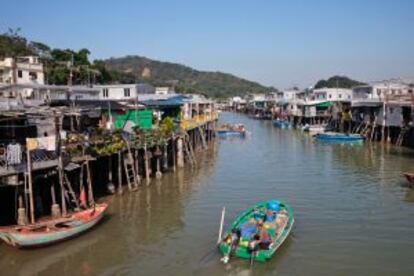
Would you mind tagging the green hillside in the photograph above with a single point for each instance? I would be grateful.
(184, 78)
(129, 69)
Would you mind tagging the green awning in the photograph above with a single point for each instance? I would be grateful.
(324, 105)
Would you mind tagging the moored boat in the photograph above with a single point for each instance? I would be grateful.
(50, 231)
(231, 130)
(336, 137)
(410, 178)
(313, 129)
(279, 123)
(257, 232)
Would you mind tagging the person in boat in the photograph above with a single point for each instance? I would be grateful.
(248, 230)
(264, 239)
(233, 239)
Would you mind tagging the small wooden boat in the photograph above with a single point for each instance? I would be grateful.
(313, 129)
(50, 231)
(258, 232)
(410, 178)
(231, 130)
(336, 137)
(284, 124)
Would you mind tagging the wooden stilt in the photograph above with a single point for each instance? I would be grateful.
(119, 173)
(136, 153)
(110, 186)
(29, 176)
(55, 209)
(90, 189)
(180, 153)
(165, 157)
(62, 188)
(147, 172)
(173, 151)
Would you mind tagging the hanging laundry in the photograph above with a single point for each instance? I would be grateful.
(14, 154)
(47, 143)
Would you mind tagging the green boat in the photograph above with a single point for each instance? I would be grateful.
(257, 232)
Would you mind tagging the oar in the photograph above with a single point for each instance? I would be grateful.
(221, 225)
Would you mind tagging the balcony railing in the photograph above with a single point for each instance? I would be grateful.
(10, 165)
(198, 120)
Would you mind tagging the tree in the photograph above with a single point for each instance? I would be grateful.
(40, 49)
(82, 57)
(337, 82)
(12, 44)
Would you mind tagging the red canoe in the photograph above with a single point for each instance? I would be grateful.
(49, 231)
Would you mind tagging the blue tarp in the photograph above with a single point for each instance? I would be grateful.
(170, 102)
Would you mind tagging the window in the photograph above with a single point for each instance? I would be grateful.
(105, 92)
(127, 92)
(20, 74)
(33, 75)
(340, 96)
(330, 96)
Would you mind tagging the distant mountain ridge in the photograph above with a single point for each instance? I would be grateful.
(184, 78)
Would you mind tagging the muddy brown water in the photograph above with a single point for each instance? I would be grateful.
(354, 213)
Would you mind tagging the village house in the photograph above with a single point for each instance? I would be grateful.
(21, 71)
(237, 103)
(387, 103)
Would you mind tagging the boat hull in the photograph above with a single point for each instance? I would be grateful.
(53, 231)
(228, 133)
(260, 255)
(339, 138)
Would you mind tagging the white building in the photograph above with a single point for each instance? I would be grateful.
(164, 90)
(378, 91)
(291, 102)
(237, 103)
(22, 70)
(386, 100)
(118, 92)
(28, 70)
(333, 94)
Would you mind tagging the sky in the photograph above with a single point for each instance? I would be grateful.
(276, 43)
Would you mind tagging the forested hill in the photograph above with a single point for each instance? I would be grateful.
(129, 69)
(337, 82)
(184, 78)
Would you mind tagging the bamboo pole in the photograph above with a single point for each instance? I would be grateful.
(29, 176)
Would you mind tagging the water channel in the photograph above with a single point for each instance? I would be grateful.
(354, 214)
